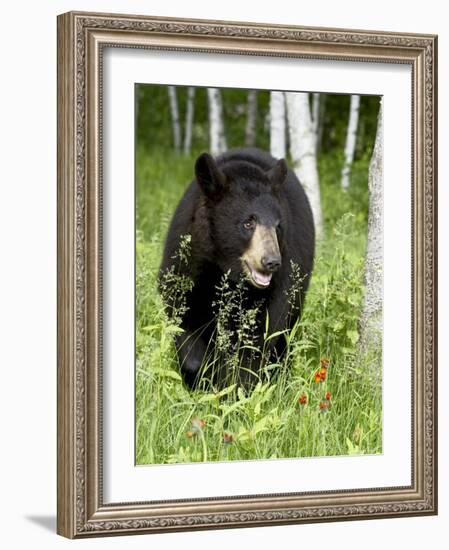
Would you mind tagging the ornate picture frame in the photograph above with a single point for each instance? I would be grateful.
(82, 38)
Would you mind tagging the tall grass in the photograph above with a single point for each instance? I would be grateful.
(307, 409)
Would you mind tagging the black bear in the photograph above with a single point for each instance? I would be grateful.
(248, 222)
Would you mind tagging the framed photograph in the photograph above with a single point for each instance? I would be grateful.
(246, 274)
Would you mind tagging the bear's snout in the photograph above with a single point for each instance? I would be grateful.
(271, 263)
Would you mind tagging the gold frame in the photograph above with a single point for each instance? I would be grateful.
(81, 37)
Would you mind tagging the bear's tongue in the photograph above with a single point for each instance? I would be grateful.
(262, 279)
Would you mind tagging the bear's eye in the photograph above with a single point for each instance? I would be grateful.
(250, 223)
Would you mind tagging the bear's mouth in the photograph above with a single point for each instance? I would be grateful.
(258, 278)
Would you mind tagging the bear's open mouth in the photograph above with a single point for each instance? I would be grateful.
(258, 278)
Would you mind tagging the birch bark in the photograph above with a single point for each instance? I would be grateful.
(251, 119)
(371, 319)
(303, 153)
(351, 139)
(190, 108)
(176, 127)
(217, 138)
(277, 125)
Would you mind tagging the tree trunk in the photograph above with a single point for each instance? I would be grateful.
(176, 127)
(371, 319)
(351, 138)
(277, 125)
(316, 100)
(302, 151)
(251, 119)
(190, 108)
(217, 138)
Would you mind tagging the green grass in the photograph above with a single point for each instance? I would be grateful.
(270, 422)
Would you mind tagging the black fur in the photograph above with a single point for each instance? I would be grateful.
(225, 191)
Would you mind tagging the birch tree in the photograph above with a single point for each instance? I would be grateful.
(251, 119)
(351, 138)
(190, 108)
(174, 112)
(217, 138)
(371, 319)
(302, 151)
(277, 125)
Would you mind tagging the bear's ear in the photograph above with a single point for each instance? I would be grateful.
(278, 173)
(209, 177)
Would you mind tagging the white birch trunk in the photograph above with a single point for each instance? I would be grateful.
(176, 127)
(316, 100)
(251, 119)
(302, 152)
(190, 109)
(217, 138)
(371, 319)
(351, 138)
(277, 125)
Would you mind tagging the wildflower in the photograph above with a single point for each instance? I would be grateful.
(321, 373)
(303, 399)
(197, 425)
(324, 406)
(228, 438)
(328, 396)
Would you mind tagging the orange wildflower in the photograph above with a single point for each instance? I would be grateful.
(303, 399)
(228, 438)
(197, 424)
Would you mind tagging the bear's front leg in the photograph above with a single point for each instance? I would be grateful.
(191, 350)
(279, 316)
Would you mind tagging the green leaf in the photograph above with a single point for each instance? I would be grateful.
(353, 336)
(227, 390)
(261, 425)
(166, 373)
(173, 329)
(150, 328)
(208, 397)
(275, 335)
(241, 395)
(243, 434)
(228, 409)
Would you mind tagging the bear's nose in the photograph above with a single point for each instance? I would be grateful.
(271, 263)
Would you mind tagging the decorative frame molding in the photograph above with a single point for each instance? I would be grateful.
(81, 37)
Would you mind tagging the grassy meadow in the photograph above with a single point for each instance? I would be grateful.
(306, 410)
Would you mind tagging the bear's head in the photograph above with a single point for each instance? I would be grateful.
(245, 216)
